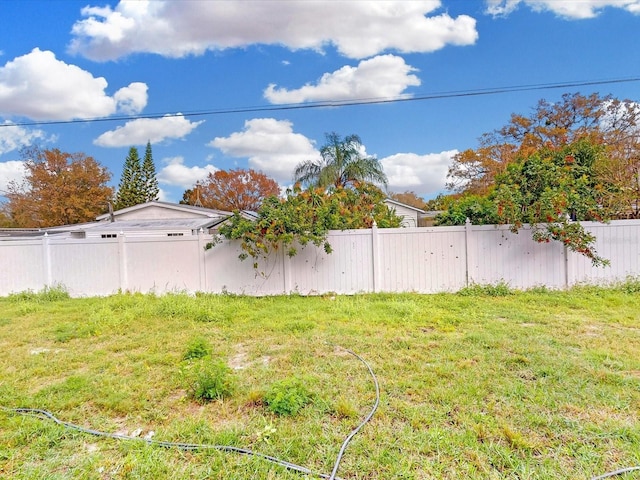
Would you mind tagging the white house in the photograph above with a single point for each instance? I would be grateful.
(410, 215)
(151, 219)
(155, 219)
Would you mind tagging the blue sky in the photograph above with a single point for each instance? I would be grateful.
(216, 79)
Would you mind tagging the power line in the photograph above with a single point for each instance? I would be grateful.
(338, 103)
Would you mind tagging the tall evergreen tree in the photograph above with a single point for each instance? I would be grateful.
(149, 180)
(130, 189)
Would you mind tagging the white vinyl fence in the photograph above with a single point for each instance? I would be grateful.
(422, 260)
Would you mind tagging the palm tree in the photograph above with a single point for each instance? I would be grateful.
(342, 164)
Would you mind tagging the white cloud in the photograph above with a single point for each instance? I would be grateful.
(573, 9)
(41, 87)
(358, 29)
(13, 137)
(384, 76)
(164, 196)
(13, 170)
(175, 172)
(270, 145)
(425, 175)
(141, 130)
(132, 99)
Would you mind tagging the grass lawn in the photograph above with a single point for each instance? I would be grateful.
(483, 384)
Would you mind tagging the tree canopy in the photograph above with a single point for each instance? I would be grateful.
(138, 183)
(306, 216)
(342, 163)
(552, 190)
(409, 198)
(230, 190)
(148, 176)
(130, 189)
(59, 189)
(572, 160)
(605, 121)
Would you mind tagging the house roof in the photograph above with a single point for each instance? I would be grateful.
(156, 224)
(177, 207)
(196, 218)
(400, 204)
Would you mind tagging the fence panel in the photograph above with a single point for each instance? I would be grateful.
(85, 267)
(161, 265)
(347, 270)
(422, 260)
(225, 273)
(497, 255)
(618, 242)
(22, 266)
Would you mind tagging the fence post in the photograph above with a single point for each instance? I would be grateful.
(122, 261)
(467, 231)
(566, 268)
(375, 257)
(286, 272)
(202, 267)
(46, 257)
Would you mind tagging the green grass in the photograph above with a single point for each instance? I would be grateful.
(486, 384)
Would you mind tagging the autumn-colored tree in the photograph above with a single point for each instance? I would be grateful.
(442, 201)
(409, 198)
(342, 163)
(552, 190)
(305, 217)
(5, 218)
(601, 120)
(59, 189)
(231, 190)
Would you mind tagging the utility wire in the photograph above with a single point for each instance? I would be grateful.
(337, 103)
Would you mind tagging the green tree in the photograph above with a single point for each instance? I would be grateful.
(305, 217)
(59, 188)
(131, 189)
(148, 176)
(553, 190)
(605, 121)
(342, 163)
(478, 209)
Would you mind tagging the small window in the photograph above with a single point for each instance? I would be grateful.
(109, 235)
(175, 234)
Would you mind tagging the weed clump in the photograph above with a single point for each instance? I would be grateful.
(500, 289)
(197, 348)
(287, 397)
(46, 295)
(212, 382)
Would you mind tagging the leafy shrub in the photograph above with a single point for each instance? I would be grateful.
(479, 210)
(212, 382)
(306, 216)
(197, 348)
(287, 397)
